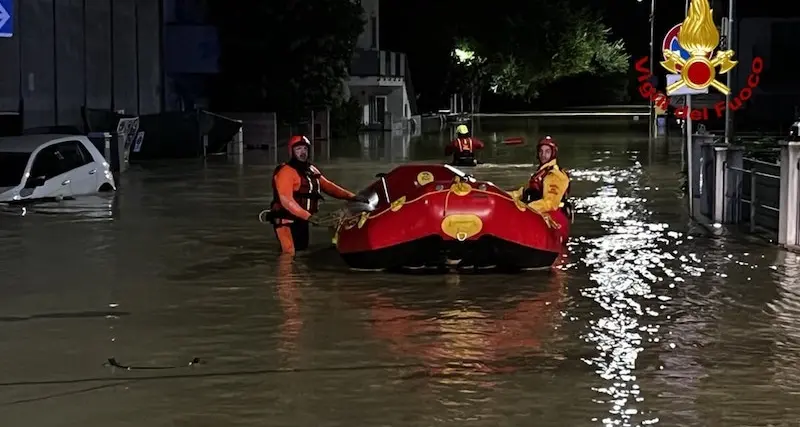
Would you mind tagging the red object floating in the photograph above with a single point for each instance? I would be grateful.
(425, 216)
(516, 140)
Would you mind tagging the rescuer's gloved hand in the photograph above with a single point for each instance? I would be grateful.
(313, 220)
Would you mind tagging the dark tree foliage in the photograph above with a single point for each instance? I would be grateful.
(520, 48)
(287, 56)
(537, 43)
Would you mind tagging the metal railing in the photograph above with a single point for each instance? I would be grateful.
(754, 202)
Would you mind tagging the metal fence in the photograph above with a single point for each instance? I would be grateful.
(759, 196)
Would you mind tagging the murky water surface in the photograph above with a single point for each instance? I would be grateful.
(651, 322)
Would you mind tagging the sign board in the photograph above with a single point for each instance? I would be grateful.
(684, 90)
(670, 42)
(137, 145)
(677, 101)
(6, 18)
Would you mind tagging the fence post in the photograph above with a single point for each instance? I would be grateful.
(789, 198)
(694, 172)
(753, 199)
(732, 182)
(274, 146)
(720, 161)
(236, 146)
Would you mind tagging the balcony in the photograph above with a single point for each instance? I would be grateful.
(378, 63)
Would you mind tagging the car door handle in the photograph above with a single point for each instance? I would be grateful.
(93, 171)
(66, 182)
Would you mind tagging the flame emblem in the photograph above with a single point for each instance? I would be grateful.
(699, 36)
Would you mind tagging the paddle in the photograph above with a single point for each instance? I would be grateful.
(514, 140)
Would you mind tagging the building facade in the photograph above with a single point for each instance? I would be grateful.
(776, 99)
(102, 54)
(379, 79)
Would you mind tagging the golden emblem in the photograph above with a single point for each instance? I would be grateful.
(397, 204)
(424, 177)
(699, 36)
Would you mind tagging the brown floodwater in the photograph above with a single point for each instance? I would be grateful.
(650, 321)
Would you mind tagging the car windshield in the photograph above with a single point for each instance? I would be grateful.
(12, 167)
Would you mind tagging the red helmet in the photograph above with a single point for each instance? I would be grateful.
(550, 142)
(298, 139)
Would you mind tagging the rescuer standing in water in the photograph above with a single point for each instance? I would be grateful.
(463, 147)
(548, 187)
(297, 187)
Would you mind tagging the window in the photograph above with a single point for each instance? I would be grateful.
(57, 159)
(48, 163)
(74, 155)
(12, 167)
(782, 66)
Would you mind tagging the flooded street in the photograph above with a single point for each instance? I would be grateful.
(650, 322)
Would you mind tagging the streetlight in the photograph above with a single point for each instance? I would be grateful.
(652, 121)
(729, 42)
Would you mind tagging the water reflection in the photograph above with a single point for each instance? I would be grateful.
(623, 265)
(648, 319)
(389, 147)
(786, 319)
(462, 336)
(289, 283)
(99, 207)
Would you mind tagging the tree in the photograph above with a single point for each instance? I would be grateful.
(288, 56)
(534, 44)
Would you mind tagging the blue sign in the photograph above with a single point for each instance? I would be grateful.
(671, 43)
(6, 18)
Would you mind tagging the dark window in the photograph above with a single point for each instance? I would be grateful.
(74, 154)
(781, 64)
(48, 163)
(12, 167)
(374, 32)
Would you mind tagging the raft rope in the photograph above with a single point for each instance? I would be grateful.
(329, 220)
(335, 219)
(547, 218)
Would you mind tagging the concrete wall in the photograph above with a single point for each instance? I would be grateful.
(68, 53)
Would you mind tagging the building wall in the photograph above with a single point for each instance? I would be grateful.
(104, 54)
(776, 97)
(191, 54)
(370, 36)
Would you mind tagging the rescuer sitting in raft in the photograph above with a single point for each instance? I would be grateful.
(463, 147)
(548, 187)
(296, 187)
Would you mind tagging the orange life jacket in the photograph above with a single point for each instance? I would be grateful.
(307, 196)
(464, 145)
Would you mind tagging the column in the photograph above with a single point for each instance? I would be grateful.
(789, 198)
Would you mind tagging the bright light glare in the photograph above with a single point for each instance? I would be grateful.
(464, 55)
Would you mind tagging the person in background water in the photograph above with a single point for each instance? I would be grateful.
(463, 147)
(548, 187)
(297, 187)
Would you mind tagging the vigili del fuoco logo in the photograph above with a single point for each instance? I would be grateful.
(692, 60)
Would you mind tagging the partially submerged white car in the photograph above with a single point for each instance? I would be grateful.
(51, 167)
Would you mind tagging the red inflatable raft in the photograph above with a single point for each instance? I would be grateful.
(436, 216)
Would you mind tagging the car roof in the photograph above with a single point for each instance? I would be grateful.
(29, 143)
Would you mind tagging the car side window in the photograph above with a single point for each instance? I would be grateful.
(48, 163)
(74, 155)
